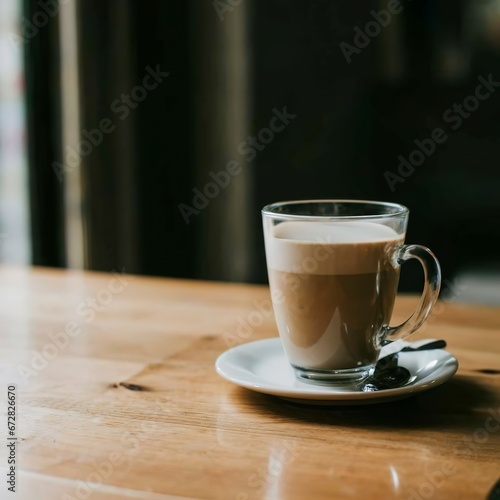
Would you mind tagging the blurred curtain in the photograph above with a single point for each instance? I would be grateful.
(141, 101)
(43, 122)
(223, 70)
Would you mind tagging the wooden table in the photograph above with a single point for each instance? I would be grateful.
(117, 398)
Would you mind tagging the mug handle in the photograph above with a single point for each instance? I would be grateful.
(432, 285)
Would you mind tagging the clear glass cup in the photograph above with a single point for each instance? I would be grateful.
(333, 268)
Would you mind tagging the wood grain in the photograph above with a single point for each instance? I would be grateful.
(131, 407)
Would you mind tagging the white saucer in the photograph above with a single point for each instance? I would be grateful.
(262, 366)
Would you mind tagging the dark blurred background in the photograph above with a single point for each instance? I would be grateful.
(118, 118)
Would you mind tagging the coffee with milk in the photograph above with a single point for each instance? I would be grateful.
(334, 286)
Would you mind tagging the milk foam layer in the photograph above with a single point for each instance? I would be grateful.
(330, 247)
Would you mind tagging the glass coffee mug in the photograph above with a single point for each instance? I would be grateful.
(333, 268)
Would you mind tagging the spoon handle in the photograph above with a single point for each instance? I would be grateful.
(436, 344)
(388, 358)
